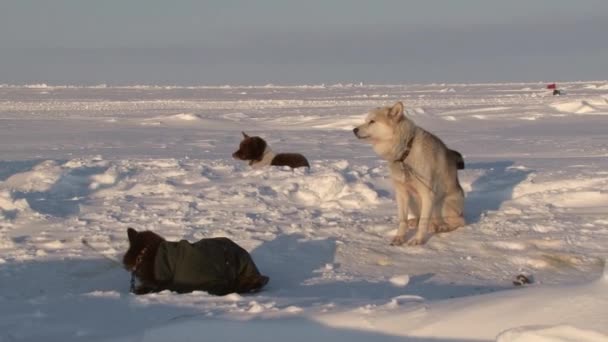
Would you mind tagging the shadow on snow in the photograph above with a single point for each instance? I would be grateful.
(493, 188)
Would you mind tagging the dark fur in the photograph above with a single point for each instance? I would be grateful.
(252, 149)
(293, 160)
(145, 270)
(457, 157)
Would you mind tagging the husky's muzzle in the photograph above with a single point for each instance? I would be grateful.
(356, 132)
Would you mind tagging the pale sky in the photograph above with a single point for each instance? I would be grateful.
(301, 42)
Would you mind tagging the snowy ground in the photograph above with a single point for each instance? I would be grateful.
(89, 162)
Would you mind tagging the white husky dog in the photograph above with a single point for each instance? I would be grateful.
(424, 172)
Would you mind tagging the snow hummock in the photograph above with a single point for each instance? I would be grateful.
(586, 106)
(580, 305)
(401, 280)
(184, 116)
(558, 333)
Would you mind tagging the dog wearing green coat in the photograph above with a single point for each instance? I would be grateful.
(216, 265)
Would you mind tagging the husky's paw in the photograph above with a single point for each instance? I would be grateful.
(398, 240)
(415, 241)
(439, 228)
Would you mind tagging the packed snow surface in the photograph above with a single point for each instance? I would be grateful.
(85, 163)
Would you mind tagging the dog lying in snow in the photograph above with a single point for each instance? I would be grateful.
(218, 266)
(256, 151)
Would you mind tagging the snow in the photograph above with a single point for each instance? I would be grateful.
(593, 105)
(401, 280)
(560, 333)
(88, 162)
(582, 306)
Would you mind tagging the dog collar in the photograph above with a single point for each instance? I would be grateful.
(139, 259)
(408, 149)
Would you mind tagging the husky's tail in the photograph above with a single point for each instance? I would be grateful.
(457, 158)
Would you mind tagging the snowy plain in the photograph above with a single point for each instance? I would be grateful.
(88, 162)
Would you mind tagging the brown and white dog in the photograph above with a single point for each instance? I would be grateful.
(258, 153)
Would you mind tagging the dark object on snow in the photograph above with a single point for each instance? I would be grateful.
(256, 151)
(521, 280)
(553, 86)
(218, 265)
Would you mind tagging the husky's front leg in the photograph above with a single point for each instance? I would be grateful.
(426, 208)
(402, 212)
(413, 213)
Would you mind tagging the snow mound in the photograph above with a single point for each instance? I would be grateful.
(581, 199)
(583, 306)
(263, 330)
(36, 86)
(558, 333)
(40, 178)
(576, 107)
(199, 120)
(344, 123)
(51, 188)
(400, 281)
(597, 86)
(107, 178)
(329, 189)
(236, 116)
(10, 206)
(184, 117)
(174, 119)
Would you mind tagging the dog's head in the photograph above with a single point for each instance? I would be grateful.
(380, 124)
(251, 148)
(137, 242)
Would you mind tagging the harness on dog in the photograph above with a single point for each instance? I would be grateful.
(408, 149)
(132, 285)
(409, 170)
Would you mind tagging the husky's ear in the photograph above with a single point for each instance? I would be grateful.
(245, 135)
(396, 111)
(132, 233)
